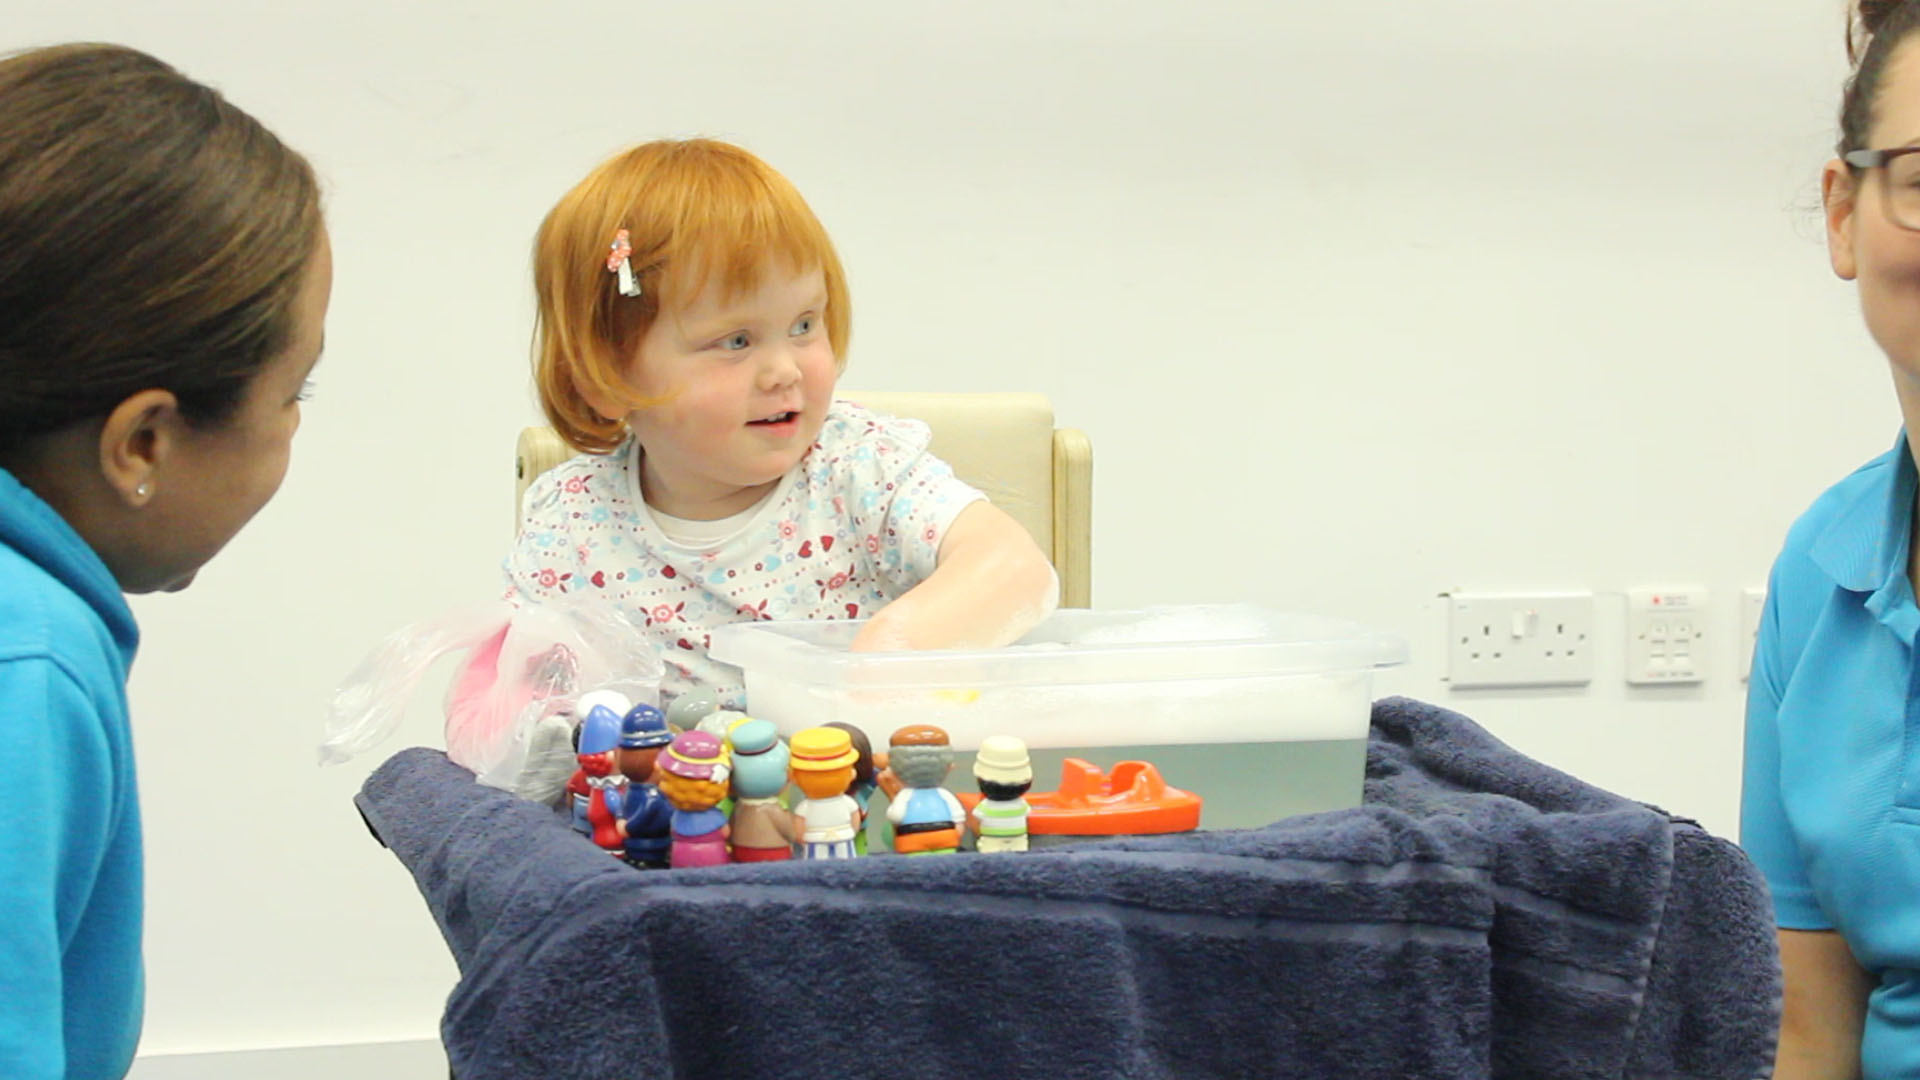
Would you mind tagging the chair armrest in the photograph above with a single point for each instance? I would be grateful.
(539, 449)
(1073, 516)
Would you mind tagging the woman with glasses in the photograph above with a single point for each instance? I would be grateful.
(1830, 808)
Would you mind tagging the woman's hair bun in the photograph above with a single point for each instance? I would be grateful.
(1874, 12)
(1868, 17)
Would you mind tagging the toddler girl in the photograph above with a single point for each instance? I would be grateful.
(693, 323)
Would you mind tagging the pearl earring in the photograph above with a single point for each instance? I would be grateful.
(142, 490)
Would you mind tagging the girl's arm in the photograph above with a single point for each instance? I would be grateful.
(1824, 1010)
(990, 585)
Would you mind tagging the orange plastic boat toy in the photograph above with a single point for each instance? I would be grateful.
(1133, 801)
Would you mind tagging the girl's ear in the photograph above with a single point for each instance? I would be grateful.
(139, 436)
(606, 401)
(1840, 196)
(606, 408)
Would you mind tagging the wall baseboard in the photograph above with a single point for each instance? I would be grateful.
(420, 1059)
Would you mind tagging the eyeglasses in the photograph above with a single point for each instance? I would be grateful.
(1899, 181)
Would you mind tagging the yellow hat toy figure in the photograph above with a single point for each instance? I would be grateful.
(821, 761)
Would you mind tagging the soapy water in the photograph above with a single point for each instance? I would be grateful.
(1173, 626)
(1244, 785)
(1264, 714)
(1289, 708)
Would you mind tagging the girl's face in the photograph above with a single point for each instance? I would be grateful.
(746, 381)
(1863, 241)
(217, 478)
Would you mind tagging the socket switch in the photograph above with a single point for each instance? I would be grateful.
(1666, 636)
(1519, 639)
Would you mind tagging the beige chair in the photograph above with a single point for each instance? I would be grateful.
(1003, 444)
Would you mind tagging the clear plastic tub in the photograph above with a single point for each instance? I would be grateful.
(1262, 713)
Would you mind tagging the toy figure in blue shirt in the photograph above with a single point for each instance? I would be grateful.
(926, 817)
(645, 815)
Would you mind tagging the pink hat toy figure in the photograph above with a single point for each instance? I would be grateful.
(692, 774)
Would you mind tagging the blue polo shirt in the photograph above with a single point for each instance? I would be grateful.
(70, 866)
(1830, 807)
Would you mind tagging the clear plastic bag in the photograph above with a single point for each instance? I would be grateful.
(534, 757)
(509, 710)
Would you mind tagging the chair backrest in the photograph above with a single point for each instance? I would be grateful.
(1003, 444)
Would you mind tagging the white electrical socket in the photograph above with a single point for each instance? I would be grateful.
(1519, 639)
(1753, 601)
(1666, 635)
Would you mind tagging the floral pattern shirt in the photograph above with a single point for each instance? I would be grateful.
(855, 524)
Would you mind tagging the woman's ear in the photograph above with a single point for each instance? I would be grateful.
(1839, 195)
(135, 442)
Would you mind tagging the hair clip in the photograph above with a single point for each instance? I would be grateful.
(619, 261)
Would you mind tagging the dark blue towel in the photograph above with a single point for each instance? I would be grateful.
(1482, 916)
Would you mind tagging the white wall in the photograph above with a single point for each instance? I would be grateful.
(1358, 302)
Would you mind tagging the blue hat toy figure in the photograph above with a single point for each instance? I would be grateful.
(644, 727)
(646, 816)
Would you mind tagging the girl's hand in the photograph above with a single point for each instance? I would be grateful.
(990, 585)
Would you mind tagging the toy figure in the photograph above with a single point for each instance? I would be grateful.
(577, 795)
(762, 829)
(720, 722)
(550, 761)
(690, 708)
(645, 817)
(579, 792)
(827, 820)
(926, 817)
(862, 788)
(643, 731)
(599, 742)
(615, 702)
(1133, 800)
(693, 776)
(1004, 773)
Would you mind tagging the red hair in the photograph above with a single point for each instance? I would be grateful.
(695, 210)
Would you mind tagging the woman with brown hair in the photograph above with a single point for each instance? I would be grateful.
(164, 275)
(1830, 808)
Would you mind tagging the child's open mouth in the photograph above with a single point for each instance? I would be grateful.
(774, 420)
